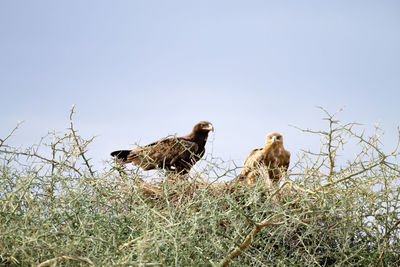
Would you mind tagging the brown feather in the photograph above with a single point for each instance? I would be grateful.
(177, 154)
(271, 160)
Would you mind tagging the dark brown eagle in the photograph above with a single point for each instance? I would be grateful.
(271, 160)
(177, 154)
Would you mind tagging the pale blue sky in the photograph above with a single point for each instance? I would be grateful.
(140, 70)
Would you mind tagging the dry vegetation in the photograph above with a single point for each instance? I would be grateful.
(57, 210)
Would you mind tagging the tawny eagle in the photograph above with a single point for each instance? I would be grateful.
(271, 160)
(177, 154)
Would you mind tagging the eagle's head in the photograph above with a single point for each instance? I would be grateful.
(274, 139)
(203, 126)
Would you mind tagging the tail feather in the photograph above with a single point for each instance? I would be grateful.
(121, 155)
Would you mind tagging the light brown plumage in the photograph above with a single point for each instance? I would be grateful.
(271, 161)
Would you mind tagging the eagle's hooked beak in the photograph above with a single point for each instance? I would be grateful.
(274, 139)
(209, 127)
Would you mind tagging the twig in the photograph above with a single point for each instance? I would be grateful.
(250, 237)
(81, 151)
(130, 243)
(65, 258)
(42, 158)
(351, 175)
(2, 141)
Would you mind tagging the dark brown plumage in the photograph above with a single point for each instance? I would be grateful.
(271, 161)
(177, 154)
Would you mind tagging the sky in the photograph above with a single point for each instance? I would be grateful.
(138, 71)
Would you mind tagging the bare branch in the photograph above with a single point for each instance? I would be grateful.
(66, 258)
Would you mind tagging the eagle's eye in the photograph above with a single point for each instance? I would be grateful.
(279, 137)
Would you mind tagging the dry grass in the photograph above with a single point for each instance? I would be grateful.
(57, 210)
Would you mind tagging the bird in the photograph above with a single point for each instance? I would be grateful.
(272, 160)
(175, 154)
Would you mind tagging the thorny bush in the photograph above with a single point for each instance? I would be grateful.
(57, 210)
